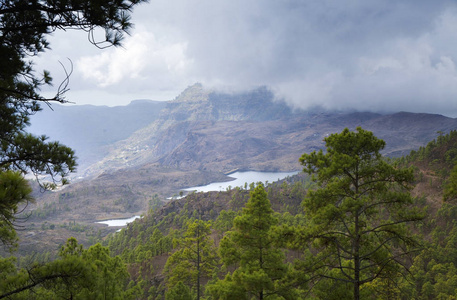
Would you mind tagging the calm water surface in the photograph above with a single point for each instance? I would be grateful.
(119, 222)
(240, 178)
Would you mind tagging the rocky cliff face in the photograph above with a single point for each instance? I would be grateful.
(191, 129)
(206, 130)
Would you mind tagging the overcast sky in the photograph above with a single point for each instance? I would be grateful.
(363, 54)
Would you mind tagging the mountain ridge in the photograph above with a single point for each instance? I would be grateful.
(208, 130)
(192, 141)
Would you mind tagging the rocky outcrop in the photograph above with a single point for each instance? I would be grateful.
(207, 130)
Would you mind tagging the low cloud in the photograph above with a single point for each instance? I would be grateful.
(143, 60)
(364, 54)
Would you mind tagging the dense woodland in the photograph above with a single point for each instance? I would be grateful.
(255, 243)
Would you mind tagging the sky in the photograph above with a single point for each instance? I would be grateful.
(368, 55)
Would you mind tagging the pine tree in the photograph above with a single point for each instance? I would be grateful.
(77, 274)
(450, 188)
(14, 192)
(195, 259)
(260, 266)
(24, 27)
(179, 292)
(359, 211)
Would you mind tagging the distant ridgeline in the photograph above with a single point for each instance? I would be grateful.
(209, 130)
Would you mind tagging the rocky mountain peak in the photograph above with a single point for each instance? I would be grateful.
(193, 93)
(208, 130)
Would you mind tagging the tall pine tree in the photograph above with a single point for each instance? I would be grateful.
(358, 213)
(195, 259)
(260, 267)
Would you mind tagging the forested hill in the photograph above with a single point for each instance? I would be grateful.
(147, 245)
(153, 249)
(439, 154)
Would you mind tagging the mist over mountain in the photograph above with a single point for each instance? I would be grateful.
(219, 132)
(90, 129)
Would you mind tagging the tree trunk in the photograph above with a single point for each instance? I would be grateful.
(198, 261)
(356, 244)
(356, 261)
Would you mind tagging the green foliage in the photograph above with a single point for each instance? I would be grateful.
(438, 154)
(224, 221)
(195, 259)
(387, 247)
(77, 274)
(434, 269)
(179, 292)
(359, 211)
(260, 267)
(24, 26)
(14, 192)
(450, 188)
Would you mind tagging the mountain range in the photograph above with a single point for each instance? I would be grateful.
(132, 158)
(219, 132)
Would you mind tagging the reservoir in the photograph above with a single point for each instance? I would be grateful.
(240, 178)
(119, 222)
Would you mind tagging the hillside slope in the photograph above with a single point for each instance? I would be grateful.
(198, 138)
(147, 244)
(204, 130)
